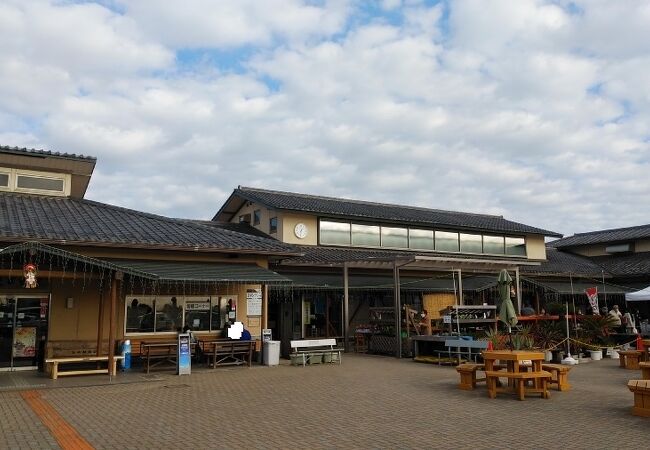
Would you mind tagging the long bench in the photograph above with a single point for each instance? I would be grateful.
(520, 379)
(314, 351)
(56, 371)
(228, 352)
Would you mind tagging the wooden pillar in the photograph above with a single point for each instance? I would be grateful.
(100, 323)
(111, 323)
(346, 311)
(398, 312)
(461, 301)
(327, 317)
(265, 306)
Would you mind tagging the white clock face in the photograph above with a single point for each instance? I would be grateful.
(300, 230)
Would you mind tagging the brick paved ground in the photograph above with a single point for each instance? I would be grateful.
(367, 402)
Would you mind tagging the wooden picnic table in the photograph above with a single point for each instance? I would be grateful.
(517, 378)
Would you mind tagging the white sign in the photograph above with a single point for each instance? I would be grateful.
(197, 306)
(254, 302)
(446, 319)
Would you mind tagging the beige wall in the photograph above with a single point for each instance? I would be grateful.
(642, 245)
(535, 247)
(266, 215)
(289, 222)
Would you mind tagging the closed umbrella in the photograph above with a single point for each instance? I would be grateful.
(507, 312)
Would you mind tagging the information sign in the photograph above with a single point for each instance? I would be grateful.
(254, 302)
(184, 356)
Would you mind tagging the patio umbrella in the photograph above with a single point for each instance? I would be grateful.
(507, 312)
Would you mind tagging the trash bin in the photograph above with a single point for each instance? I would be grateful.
(271, 353)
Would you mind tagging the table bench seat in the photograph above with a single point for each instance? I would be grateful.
(645, 370)
(56, 371)
(641, 391)
(559, 375)
(520, 379)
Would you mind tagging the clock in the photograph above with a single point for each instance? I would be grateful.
(300, 230)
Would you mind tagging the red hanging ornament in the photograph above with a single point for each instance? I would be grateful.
(29, 271)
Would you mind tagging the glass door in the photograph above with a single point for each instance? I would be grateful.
(24, 330)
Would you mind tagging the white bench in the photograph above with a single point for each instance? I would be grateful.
(462, 347)
(310, 350)
(56, 372)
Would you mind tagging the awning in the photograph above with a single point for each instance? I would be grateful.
(335, 281)
(565, 287)
(638, 296)
(179, 271)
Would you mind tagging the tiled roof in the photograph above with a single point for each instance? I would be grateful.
(80, 221)
(322, 255)
(634, 264)
(604, 236)
(351, 209)
(38, 152)
(563, 263)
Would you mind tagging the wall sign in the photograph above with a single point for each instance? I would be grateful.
(254, 302)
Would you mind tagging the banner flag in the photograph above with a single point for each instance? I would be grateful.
(592, 295)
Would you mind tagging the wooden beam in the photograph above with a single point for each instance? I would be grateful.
(100, 323)
(43, 274)
(265, 306)
(398, 310)
(111, 322)
(346, 305)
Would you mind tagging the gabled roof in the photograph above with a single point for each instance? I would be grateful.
(563, 263)
(84, 222)
(38, 152)
(356, 209)
(613, 235)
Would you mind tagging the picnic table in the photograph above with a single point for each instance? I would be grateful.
(517, 378)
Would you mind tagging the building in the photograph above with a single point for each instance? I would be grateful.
(362, 258)
(76, 276)
(622, 254)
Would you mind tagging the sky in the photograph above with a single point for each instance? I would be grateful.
(535, 110)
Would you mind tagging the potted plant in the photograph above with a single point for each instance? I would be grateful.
(547, 334)
(596, 331)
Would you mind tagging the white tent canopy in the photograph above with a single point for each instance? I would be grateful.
(638, 296)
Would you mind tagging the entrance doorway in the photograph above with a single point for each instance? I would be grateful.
(23, 330)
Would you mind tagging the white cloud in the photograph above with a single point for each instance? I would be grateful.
(536, 110)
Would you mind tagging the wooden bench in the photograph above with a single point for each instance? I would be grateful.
(559, 375)
(314, 351)
(630, 359)
(520, 379)
(462, 347)
(645, 370)
(228, 352)
(56, 371)
(641, 391)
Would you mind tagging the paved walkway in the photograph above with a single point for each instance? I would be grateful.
(367, 402)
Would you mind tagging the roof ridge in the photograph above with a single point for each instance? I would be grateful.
(36, 151)
(609, 230)
(365, 202)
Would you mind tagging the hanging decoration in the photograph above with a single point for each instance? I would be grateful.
(29, 271)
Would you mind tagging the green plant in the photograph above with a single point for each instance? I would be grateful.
(499, 341)
(523, 339)
(547, 334)
(597, 330)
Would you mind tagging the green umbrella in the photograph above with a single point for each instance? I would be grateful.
(507, 312)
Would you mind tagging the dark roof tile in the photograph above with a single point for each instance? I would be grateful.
(411, 215)
(604, 236)
(57, 219)
(39, 152)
